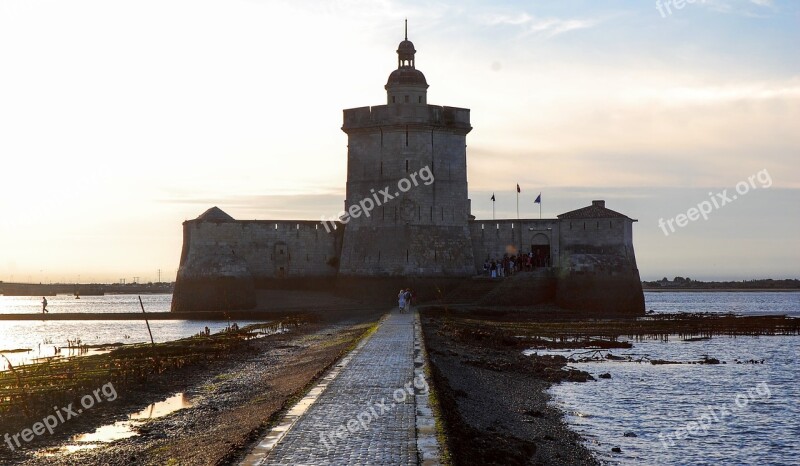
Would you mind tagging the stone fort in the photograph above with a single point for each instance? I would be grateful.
(424, 236)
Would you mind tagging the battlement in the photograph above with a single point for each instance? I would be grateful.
(384, 115)
(281, 225)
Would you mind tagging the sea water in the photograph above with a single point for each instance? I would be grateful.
(66, 303)
(42, 336)
(745, 412)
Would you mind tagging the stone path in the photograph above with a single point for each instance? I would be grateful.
(370, 409)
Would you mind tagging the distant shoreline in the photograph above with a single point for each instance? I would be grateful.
(738, 290)
(221, 316)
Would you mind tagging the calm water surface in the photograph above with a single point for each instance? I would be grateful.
(42, 336)
(67, 303)
(696, 414)
(745, 303)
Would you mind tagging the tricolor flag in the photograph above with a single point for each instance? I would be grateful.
(538, 199)
(518, 189)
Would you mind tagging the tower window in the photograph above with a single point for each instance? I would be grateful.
(420, 99)
(406, 164)
(393, 99)
(406, 99)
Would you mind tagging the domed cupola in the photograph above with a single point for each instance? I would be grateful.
(405, 53)
(406, 84)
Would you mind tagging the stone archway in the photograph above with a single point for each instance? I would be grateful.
(541, 250)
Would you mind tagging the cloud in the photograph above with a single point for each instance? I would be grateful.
(548, 27)
(740, 7)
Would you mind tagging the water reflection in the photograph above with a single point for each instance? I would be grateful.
(126, 429)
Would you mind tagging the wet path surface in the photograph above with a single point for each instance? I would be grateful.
(366, 411)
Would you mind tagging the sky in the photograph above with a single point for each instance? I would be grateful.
(121, 119)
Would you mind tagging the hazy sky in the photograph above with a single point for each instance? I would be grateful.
(121, 119)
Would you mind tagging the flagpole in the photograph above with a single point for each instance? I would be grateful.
(540, 206)
(517, 202)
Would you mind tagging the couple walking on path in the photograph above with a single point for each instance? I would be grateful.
(404, 299)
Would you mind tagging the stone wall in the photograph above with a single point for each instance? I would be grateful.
(222, 261)
(493, 238)
(421, 230)
(598, 267)
(271, 249)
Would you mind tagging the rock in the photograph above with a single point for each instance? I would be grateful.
(605, 376)
(630, 434)
(616, 450)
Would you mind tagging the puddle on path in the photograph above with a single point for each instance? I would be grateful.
(123, 429)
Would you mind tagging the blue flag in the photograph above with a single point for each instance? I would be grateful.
(538, 199)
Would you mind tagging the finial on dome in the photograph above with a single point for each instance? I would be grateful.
(406, 28)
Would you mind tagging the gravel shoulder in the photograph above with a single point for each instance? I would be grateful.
(494, 400)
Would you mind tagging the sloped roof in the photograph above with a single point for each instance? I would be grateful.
(215, 214)
(596, 210)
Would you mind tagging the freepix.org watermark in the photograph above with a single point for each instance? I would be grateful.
(366, 205)
(716, 201)
(665, 7)
(372, 412)
(707, 416)
(62, 415)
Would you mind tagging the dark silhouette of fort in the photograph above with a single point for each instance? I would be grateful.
(423, 236)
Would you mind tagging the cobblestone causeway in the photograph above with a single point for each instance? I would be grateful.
(367, 414)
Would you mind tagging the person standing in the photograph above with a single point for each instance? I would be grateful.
(401, 299)
(44, 305)
(407, 297)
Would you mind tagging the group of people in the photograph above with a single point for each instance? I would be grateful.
(510, 263)
(405, 298)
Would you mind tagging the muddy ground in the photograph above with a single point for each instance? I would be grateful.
(493, 399)
(234, 401)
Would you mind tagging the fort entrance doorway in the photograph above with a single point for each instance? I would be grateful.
(540, 249)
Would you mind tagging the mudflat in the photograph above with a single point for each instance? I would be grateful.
(494, 400)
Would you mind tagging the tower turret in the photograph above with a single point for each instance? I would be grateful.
(406, 84)
(416, 229)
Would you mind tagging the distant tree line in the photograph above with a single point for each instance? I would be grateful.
(688, 283)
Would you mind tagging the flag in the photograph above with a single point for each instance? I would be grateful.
(492, 197)
(518, 189)
(538, 199)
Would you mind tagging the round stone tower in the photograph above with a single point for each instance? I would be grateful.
(407, 206)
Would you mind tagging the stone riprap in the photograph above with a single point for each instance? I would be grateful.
(368, 414)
